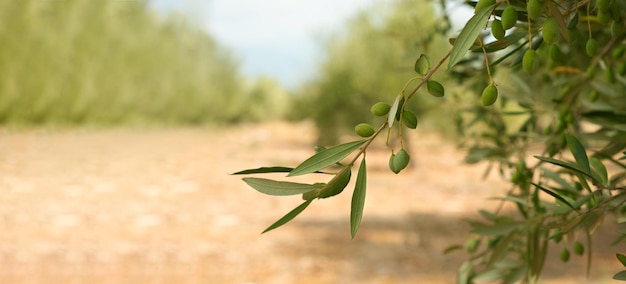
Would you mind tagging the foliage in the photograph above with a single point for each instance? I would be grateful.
(365, 63)
(110, 62)
(545, 106)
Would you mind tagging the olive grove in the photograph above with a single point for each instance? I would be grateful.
(541, 93)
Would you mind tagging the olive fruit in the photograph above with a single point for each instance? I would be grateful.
(550, 30)
(534, 8)
(565, 255)
(604, 17)
(579, 249)
(489, 95)
(471, 245)
(380, 109)
(481, 4)
(528, 61)
(399, 161)
(591, 47)
(509, 17)
(603, 5)
(364, 130)
(422, 65)
(497, 30)
(555, 53)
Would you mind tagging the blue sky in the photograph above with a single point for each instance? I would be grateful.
(274, 38)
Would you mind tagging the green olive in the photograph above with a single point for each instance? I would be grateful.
(489, 95)
(528, 61)
(509, 17)
(364, 130)
(550, 31)
(380, 109)
(497, 30)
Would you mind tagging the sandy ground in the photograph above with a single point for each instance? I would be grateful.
(159, 206)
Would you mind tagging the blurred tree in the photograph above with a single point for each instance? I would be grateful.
(111, 62)
(371, 57)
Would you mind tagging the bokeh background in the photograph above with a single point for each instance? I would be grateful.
(121, 121)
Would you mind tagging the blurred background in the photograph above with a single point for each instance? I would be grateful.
(121, 120)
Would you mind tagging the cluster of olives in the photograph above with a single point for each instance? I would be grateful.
(397, 161)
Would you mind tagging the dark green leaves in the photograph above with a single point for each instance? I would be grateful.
(622, 274)
(579, 153)
(289, 216)
(264, 170)
(358, 199)
(280, 188)
(394, 110)
(435, 88)
(337, 184)
(468, 35)
(325, 158)
(409, 119)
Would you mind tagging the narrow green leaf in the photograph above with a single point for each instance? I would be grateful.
(620, 275)
(326, 158)
(358, 199)
(555, 195)
(264, 170)
(280, 188)
(337, 184)
(600, 170)
(564, 164)
(464, 274)
(394, 110)
(579, 153)
(621, 258)
(469, 34)
(289, 216)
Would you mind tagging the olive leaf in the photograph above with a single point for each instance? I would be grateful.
(325, 158)
(337, 184)
(599, 170)
(469, 34)
(435, 88)
(264, 170)
(280, 188)
(621, 258)
(289, 216)
(564, 164)
(358, 199)
(555, 195)
(394, 110)
(579, 153)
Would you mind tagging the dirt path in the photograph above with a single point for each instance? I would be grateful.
(158, 206)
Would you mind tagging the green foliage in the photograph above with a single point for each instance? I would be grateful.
(109, 62)
(365, 62)
(556, 106)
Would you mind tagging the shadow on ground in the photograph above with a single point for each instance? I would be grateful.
(411, 248)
